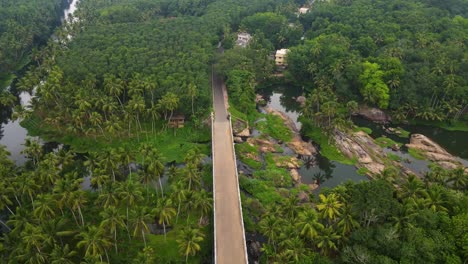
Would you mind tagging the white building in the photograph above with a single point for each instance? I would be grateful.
(303, 10)
(280, 57)
(243, 39)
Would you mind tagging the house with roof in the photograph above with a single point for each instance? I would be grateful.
(243, 39)
(280, 57)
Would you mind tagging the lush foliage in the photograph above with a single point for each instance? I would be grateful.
(408, 55)
(23, 25)
(102, 209)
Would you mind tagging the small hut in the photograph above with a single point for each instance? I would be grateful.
(177, 121)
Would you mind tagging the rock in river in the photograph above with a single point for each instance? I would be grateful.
(374, 114)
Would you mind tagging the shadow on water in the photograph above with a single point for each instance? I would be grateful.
(317, 169)
(328, 173)
(455, 142)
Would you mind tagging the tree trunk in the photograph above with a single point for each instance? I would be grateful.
(178, 211)
(115, 240)
(9, 229)
(143, 235)
(164, 227)
(81, 215)
(160, 185)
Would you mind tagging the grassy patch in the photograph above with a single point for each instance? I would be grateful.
(250, 117)
(327, 149)
(417, 153)
(386, 142)
(402, 133)
(275, 127)
(362, 171)
(393, 157)
(257, 188)
(246, 154)
(364, 129)
(172, 143)
(275, 177)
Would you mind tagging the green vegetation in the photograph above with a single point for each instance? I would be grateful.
(259, 189)
(416, 153)
(172, 143)
(249, 155)
(362, 171)
(327, 148)
(461, 125)
(363, 129)
(24, 25)
(393, 157)
(402, 133)
(386, 142)
(114, 217)
(274, 127)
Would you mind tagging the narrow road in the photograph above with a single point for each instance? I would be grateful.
(230, 246)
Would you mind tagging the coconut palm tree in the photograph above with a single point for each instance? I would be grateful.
(130, 192)
(139, 222)
(308, 224)
(109, 196)
(347, 222)
(95, 242)
(329, 206)
(155, 167)
(327, 241)
(44, 207)
(62, 255)
(111, 220)
(435, 198)
(77, 200)
(269, 226)
(204, 203)
(178, 195)
(458, 178)
(189, 241)
(164, 212)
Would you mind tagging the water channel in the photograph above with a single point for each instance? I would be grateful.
(331, 173)
(12, 134)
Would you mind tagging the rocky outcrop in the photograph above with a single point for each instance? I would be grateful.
(374, 114)
(288, 163)
(240, 128)
(432, 151)
(303, 197)
(263, 145)
(361, 146)
(295, 176)
(298, 145)
(238, 140)
(243, 133)
(301, 100)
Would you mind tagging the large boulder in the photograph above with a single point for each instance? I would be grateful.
(374, 114)
(434, 152)
(301, 147)
(421, 142)
(263, 145)
(295, 176)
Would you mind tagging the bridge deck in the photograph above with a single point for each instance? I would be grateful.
(230, 246)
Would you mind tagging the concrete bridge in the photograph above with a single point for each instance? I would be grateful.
(229, 234)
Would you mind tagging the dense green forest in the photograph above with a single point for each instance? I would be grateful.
(24, 25)
(111, 80)
(408, 56)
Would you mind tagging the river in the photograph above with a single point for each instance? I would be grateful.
(12, 134)
(332, 173)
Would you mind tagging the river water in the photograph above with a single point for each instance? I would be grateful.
(12, 134)
(331, 173)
